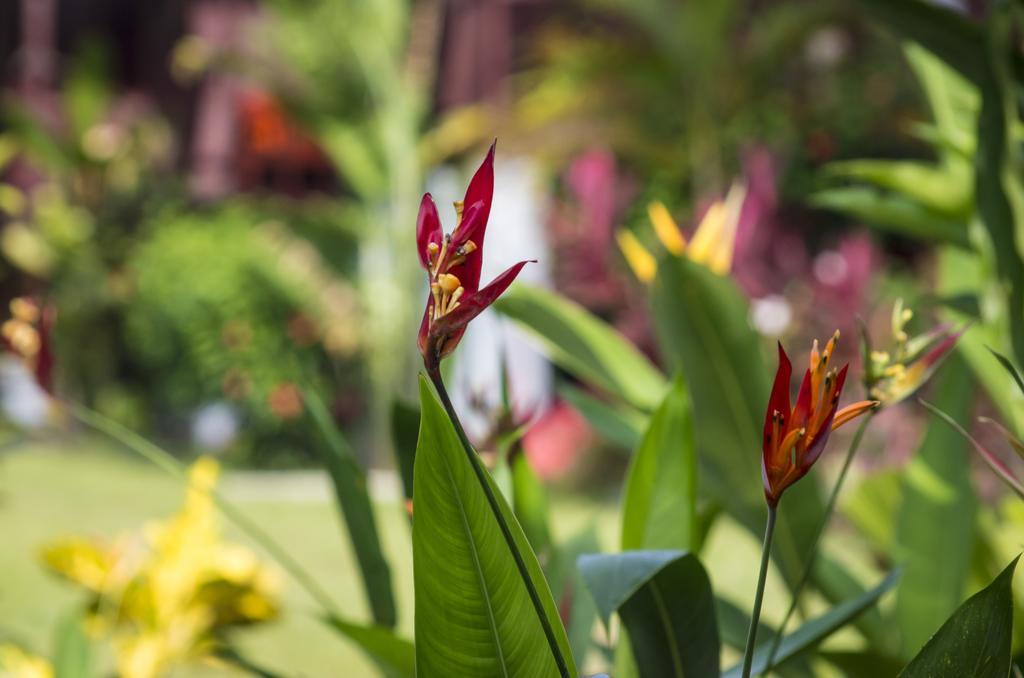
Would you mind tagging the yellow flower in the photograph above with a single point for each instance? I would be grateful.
(16, 663)
(164, 594)
(640, 260)
(713, 241)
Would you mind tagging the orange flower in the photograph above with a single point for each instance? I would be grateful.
(795, 436)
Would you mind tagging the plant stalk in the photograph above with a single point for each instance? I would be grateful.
(755, 617)
(812, 556)
(434, 372)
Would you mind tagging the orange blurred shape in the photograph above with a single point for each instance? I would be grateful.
(285, 401)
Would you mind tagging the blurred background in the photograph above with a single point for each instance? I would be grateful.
(218, 199)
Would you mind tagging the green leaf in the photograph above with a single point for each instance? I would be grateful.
(623, 425)
(72, 657)
(818, 629)
(940, 189)
(405, 428)
(976, 640)
(871, 505)
(530, 503)
(569, 590)
(994, 462)
(659, 509)
(483, 607)
(734, 623)
(954, 105)
(863, 663)
(1000, 193)
(1009, 367)
(837, 584)
(665, 603)
(937, 490)
(585, 346)
(356, 509)
(703, 332)
(890, 212)
(395, 656)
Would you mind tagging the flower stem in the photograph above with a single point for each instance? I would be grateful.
(830, 507)
(434, 373)
(755, 617)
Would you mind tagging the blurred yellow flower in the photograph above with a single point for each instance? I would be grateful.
(713, 241)
(164, 594)
(15, 663)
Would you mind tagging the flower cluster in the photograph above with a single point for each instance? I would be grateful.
(892, 376)
(164, 595)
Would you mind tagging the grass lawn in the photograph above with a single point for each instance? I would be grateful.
(83, 486)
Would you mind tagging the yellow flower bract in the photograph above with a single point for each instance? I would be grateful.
(162, 595)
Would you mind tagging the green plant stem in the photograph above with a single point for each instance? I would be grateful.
(172, 466)
(755, 616)
(812, 556)
(434, 372)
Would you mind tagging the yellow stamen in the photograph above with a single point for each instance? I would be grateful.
(459, 205)
(665, 228)
(791, 438)
(448, 282)
(639, 259)
(455, 298)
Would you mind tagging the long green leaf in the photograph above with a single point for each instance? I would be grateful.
(405, 427)
(976, 640)
(395, 656)
(818, 629)
(704, 333)
(891, 212)
(664, 600)
(939, 188)
(1010, 368)
(585, 346)
(356, 509)
(1000, 192)
(530, 503)
(483, 607)
(623, 425)
(937, 491)
(659, 508)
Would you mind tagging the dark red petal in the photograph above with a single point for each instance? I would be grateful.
(779, 399)
(428, 228)
(942, 348)
(817, 445)
(804, 402)
(473, 305)
(471, 228)
(481, 186)
(421, 338)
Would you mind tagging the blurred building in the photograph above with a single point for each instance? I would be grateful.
(233, 135)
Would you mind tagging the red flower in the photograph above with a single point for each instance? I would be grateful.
(794, 437)
(452, 262)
